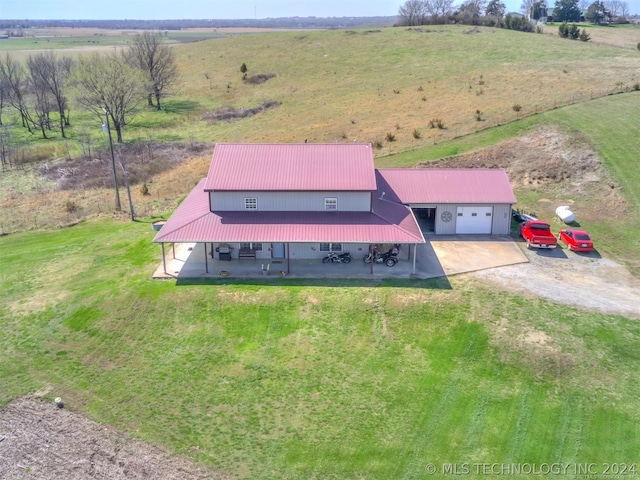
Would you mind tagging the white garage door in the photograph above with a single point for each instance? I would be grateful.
(474, 219)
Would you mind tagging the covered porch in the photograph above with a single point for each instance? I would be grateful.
(193, 260)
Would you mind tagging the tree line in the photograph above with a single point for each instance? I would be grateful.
(493, 12)
(115, 85)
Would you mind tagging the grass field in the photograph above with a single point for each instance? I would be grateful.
(362, 84)
(320, 380)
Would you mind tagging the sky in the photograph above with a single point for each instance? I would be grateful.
(214, 9)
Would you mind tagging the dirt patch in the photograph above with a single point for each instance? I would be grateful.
(548, 157)
(142, 162)
(259, 79)
(229, 114)
(531, 348)
(40, 441)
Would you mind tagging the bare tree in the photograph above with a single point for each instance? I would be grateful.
(157, 60)
(15, 85)
(584, 4)
(3, 95)
(526, 7)
(470, 12)
(439, 9)
(617, 8)
(624, 9)
(6, 148)
(412, 13)
(107, 85)
(49, 75)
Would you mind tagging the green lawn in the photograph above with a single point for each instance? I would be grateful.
(320, 380)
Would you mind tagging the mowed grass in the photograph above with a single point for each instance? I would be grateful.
(318, 380)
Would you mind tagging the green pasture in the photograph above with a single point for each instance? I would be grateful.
(313, 380)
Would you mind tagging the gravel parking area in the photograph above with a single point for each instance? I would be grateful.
(577, 279)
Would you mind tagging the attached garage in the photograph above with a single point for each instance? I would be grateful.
(453, 201)
(474, 219)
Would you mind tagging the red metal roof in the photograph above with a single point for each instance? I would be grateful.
(389, 222)
(291, 167)
(450, 185)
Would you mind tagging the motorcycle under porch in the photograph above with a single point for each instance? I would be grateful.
(439, 257)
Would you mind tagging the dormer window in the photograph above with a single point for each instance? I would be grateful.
(251, 203)
(331, 203)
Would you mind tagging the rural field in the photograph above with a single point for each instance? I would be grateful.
(323, 379)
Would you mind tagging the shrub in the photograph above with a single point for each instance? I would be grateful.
(390, 137)
(144, 189)
(478, 115)
(436, 123)
(584, 36)
(638, 45)
(517, 107)
(563, 30)
(417, 134)
(70, 206)
(377, 144)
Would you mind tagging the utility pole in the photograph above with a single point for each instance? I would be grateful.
(126, 183)
(113, 159)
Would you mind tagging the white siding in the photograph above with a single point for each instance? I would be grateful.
(291, 201)
(501, 217)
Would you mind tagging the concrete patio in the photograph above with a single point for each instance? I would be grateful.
(440, 256)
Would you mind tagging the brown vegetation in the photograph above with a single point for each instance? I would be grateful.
(230, 113)
(39, 440)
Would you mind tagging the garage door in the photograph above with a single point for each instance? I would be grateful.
(474, 219)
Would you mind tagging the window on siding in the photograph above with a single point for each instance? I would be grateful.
(488, 214)
(251, 246)
(330, 203)
(474, 214)
(250, 203)
(330, 247)
(459, 214)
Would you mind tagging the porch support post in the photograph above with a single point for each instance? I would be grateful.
(288, 258)
(371, 256)
(206, 260)
(415, 254)
(173, 249)
(164, 259)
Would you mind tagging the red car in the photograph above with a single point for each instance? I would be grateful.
(576, 240)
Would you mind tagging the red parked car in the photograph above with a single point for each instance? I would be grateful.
(576, 240)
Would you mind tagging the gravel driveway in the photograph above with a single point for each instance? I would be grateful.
(582, 280)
